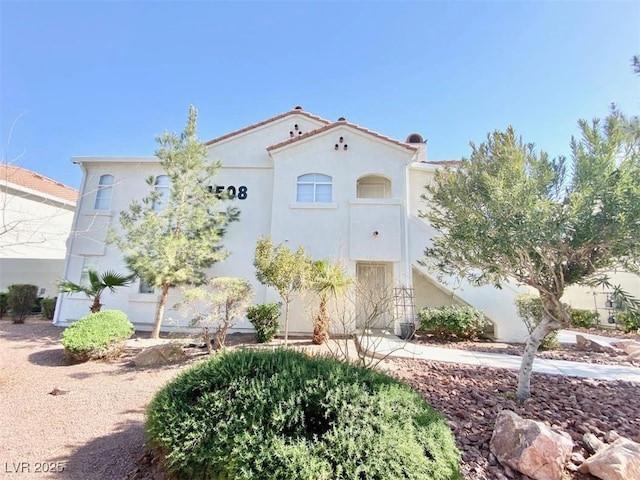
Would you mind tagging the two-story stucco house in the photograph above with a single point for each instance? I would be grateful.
(36, 214)
(340, 190)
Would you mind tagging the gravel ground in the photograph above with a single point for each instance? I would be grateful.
(93, 429)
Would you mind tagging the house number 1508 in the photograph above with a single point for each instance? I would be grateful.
(231, 191)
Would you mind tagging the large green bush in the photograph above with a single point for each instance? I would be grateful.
(583, 318)
(3, 303)
(264, 318)
(630, 321)
(48, 307)
(98, 335)
(258, 414)
(530, 310)
(20, 300)
(453, 321)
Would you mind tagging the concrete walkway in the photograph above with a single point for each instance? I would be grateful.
(387, 345)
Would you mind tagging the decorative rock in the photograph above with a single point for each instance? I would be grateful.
(592, 443)
(611, 436)
(58, 391)
(626, 345)
(159, 355)
(530, 447)
(592, 345)
(619, 460)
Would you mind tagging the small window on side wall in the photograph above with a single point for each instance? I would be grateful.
(162, 186)
(314, 188)
(104, 193)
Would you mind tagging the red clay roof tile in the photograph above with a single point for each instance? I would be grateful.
(35, 181)
(295, 111)
(336, 124)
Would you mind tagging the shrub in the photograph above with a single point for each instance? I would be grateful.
(20, 300)
(98, 335)
(257, 414)
(448, 321)
(630, 321)
(48, 307)
(583, 318)
(529, 308)
(3, 303)
(264, 318)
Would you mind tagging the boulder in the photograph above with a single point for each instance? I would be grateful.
(627, 345)
(619, 460)
(592, 443)
(530, 447)
(592, 345)
(159, 355)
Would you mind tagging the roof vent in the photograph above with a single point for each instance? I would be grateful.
(415, 138)
(297, 107)
(342, 119)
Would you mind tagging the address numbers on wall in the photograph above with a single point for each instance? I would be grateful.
(231, 191)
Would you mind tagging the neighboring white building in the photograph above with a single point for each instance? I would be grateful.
(36, 214)
(342, 191)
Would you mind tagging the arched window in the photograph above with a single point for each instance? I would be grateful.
(163, 187)
(314, 188)
(374, 186)
(104, 192)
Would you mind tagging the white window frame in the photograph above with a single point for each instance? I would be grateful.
(104, 192)
(314, 180)
(162, 185)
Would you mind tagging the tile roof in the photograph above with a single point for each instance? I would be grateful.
(35, 181)
(295, 111)
(337, 124)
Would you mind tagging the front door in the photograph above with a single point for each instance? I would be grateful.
(374, 296)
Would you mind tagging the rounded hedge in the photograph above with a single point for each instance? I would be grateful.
(256, 414)
(98, 335)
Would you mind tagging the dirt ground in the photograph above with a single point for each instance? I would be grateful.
(93, 428)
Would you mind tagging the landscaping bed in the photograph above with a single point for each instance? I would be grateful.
(93, 426)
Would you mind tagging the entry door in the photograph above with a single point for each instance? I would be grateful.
(374, 299)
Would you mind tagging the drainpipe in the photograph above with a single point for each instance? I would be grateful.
(407, 258)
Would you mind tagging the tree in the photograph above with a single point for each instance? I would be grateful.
(175, 233)
(287, 271)
(635, 64)
(97, 285)
(218, 303)
(511, 212)
(328, 280)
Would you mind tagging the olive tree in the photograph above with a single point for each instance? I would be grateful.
(510, 211)
(287, 271)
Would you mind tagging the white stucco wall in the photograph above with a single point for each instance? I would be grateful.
(343, 229)
(33, 249)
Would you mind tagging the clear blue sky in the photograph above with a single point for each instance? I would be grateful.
(104, 78)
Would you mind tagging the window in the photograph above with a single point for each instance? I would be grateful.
(163, 187)
(144, 287)
(374, 186)
(103, 195)
(314, 188)
(90, 263)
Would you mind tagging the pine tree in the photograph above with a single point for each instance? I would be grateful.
(174, 234)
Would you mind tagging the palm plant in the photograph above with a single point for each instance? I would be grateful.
(329, 280)
(98, 283)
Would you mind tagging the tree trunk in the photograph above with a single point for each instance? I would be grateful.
(160, 312)
(96, 305)
(531, 348)
(286, 322)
